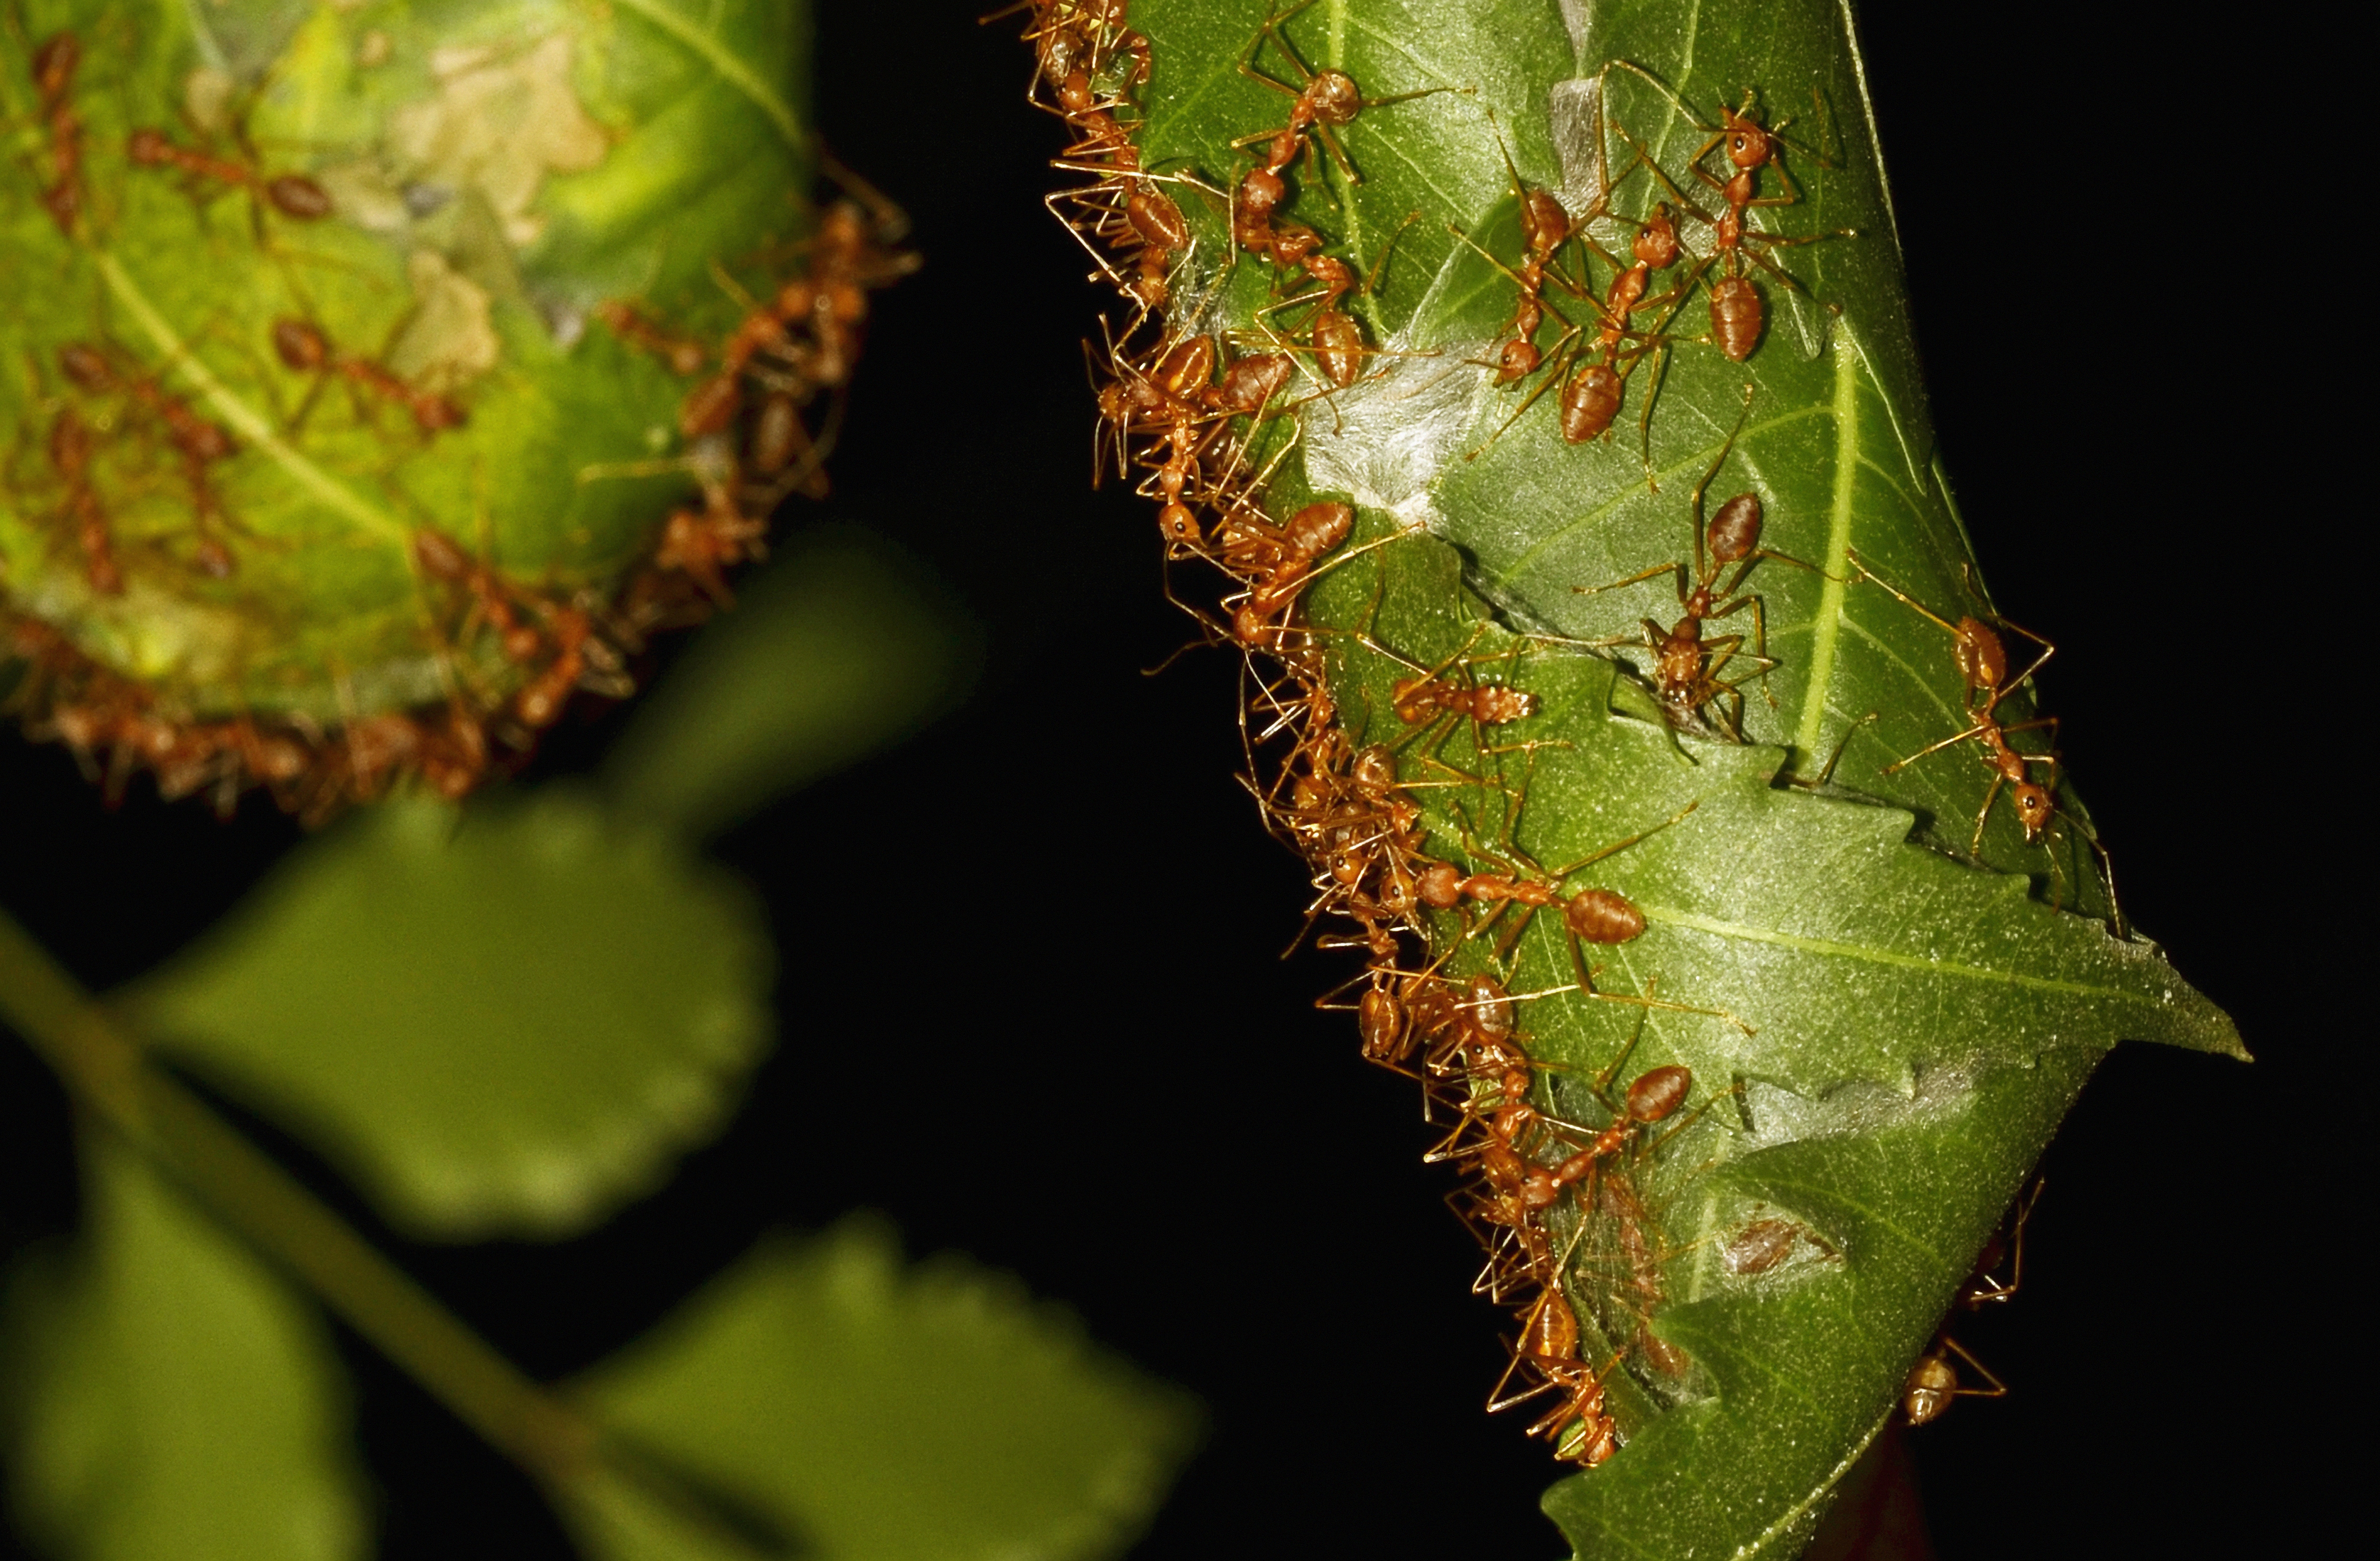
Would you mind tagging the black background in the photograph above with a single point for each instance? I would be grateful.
(1061, 898)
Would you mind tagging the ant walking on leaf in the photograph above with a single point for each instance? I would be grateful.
(1983, 662)
(1738, 314)
(1934, 1381)
(1686, 666)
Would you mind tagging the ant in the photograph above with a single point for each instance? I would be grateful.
(1337, 340)
(54, 66)
(1581, 1431)
(1598, 916)
(1738, 315)
(1546, 226)
(1764, 1243)
(683, 355)
(1324, 101)
(1591, 396)
(70, 455)
(293, 195)
(1934, 1381)
(497, 603)
(1591, 399)
(848, 256)
(1685, 665)
(199, 443)
(702, 544)
(1983, 662)
(305, 349)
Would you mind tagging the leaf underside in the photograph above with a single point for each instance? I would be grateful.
(1902, 1012)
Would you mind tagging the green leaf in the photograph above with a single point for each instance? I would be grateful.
(495, 171)
(173, 1400)
(503, 1020)
(837, 649)
(1886, 992)
(850, 1406)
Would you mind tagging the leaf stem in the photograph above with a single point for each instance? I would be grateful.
(105, 1070)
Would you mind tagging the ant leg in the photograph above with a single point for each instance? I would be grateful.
(1602, 1082)
(1760, 641)
(1999, 1388)
(1900, 764)
(1256, 44)
(1614, 849)
(1674, 569)
(1983, 814)
(1827, 776)
(1645, 414)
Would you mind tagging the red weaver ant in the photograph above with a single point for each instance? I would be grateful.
(293, 195)
(1982, 660)
(1934, 1381)
(305, 349)
(199, 443)
(53, 66)
(1323, 100)
(70, 455)
(1737, 312)
(1686, 666)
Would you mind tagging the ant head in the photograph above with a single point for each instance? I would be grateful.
(1519, 359)
(1749, 144)
(1734, 531)
(1334, 96)
(1656, 241)
(2034, 806)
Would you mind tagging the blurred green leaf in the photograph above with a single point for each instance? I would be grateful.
(505, 1020)
(872, 1411)
(839, 648)
(173, 1401)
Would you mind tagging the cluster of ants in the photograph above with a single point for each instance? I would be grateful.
(1561, 1208)
(743, 420)
(1592, 359)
